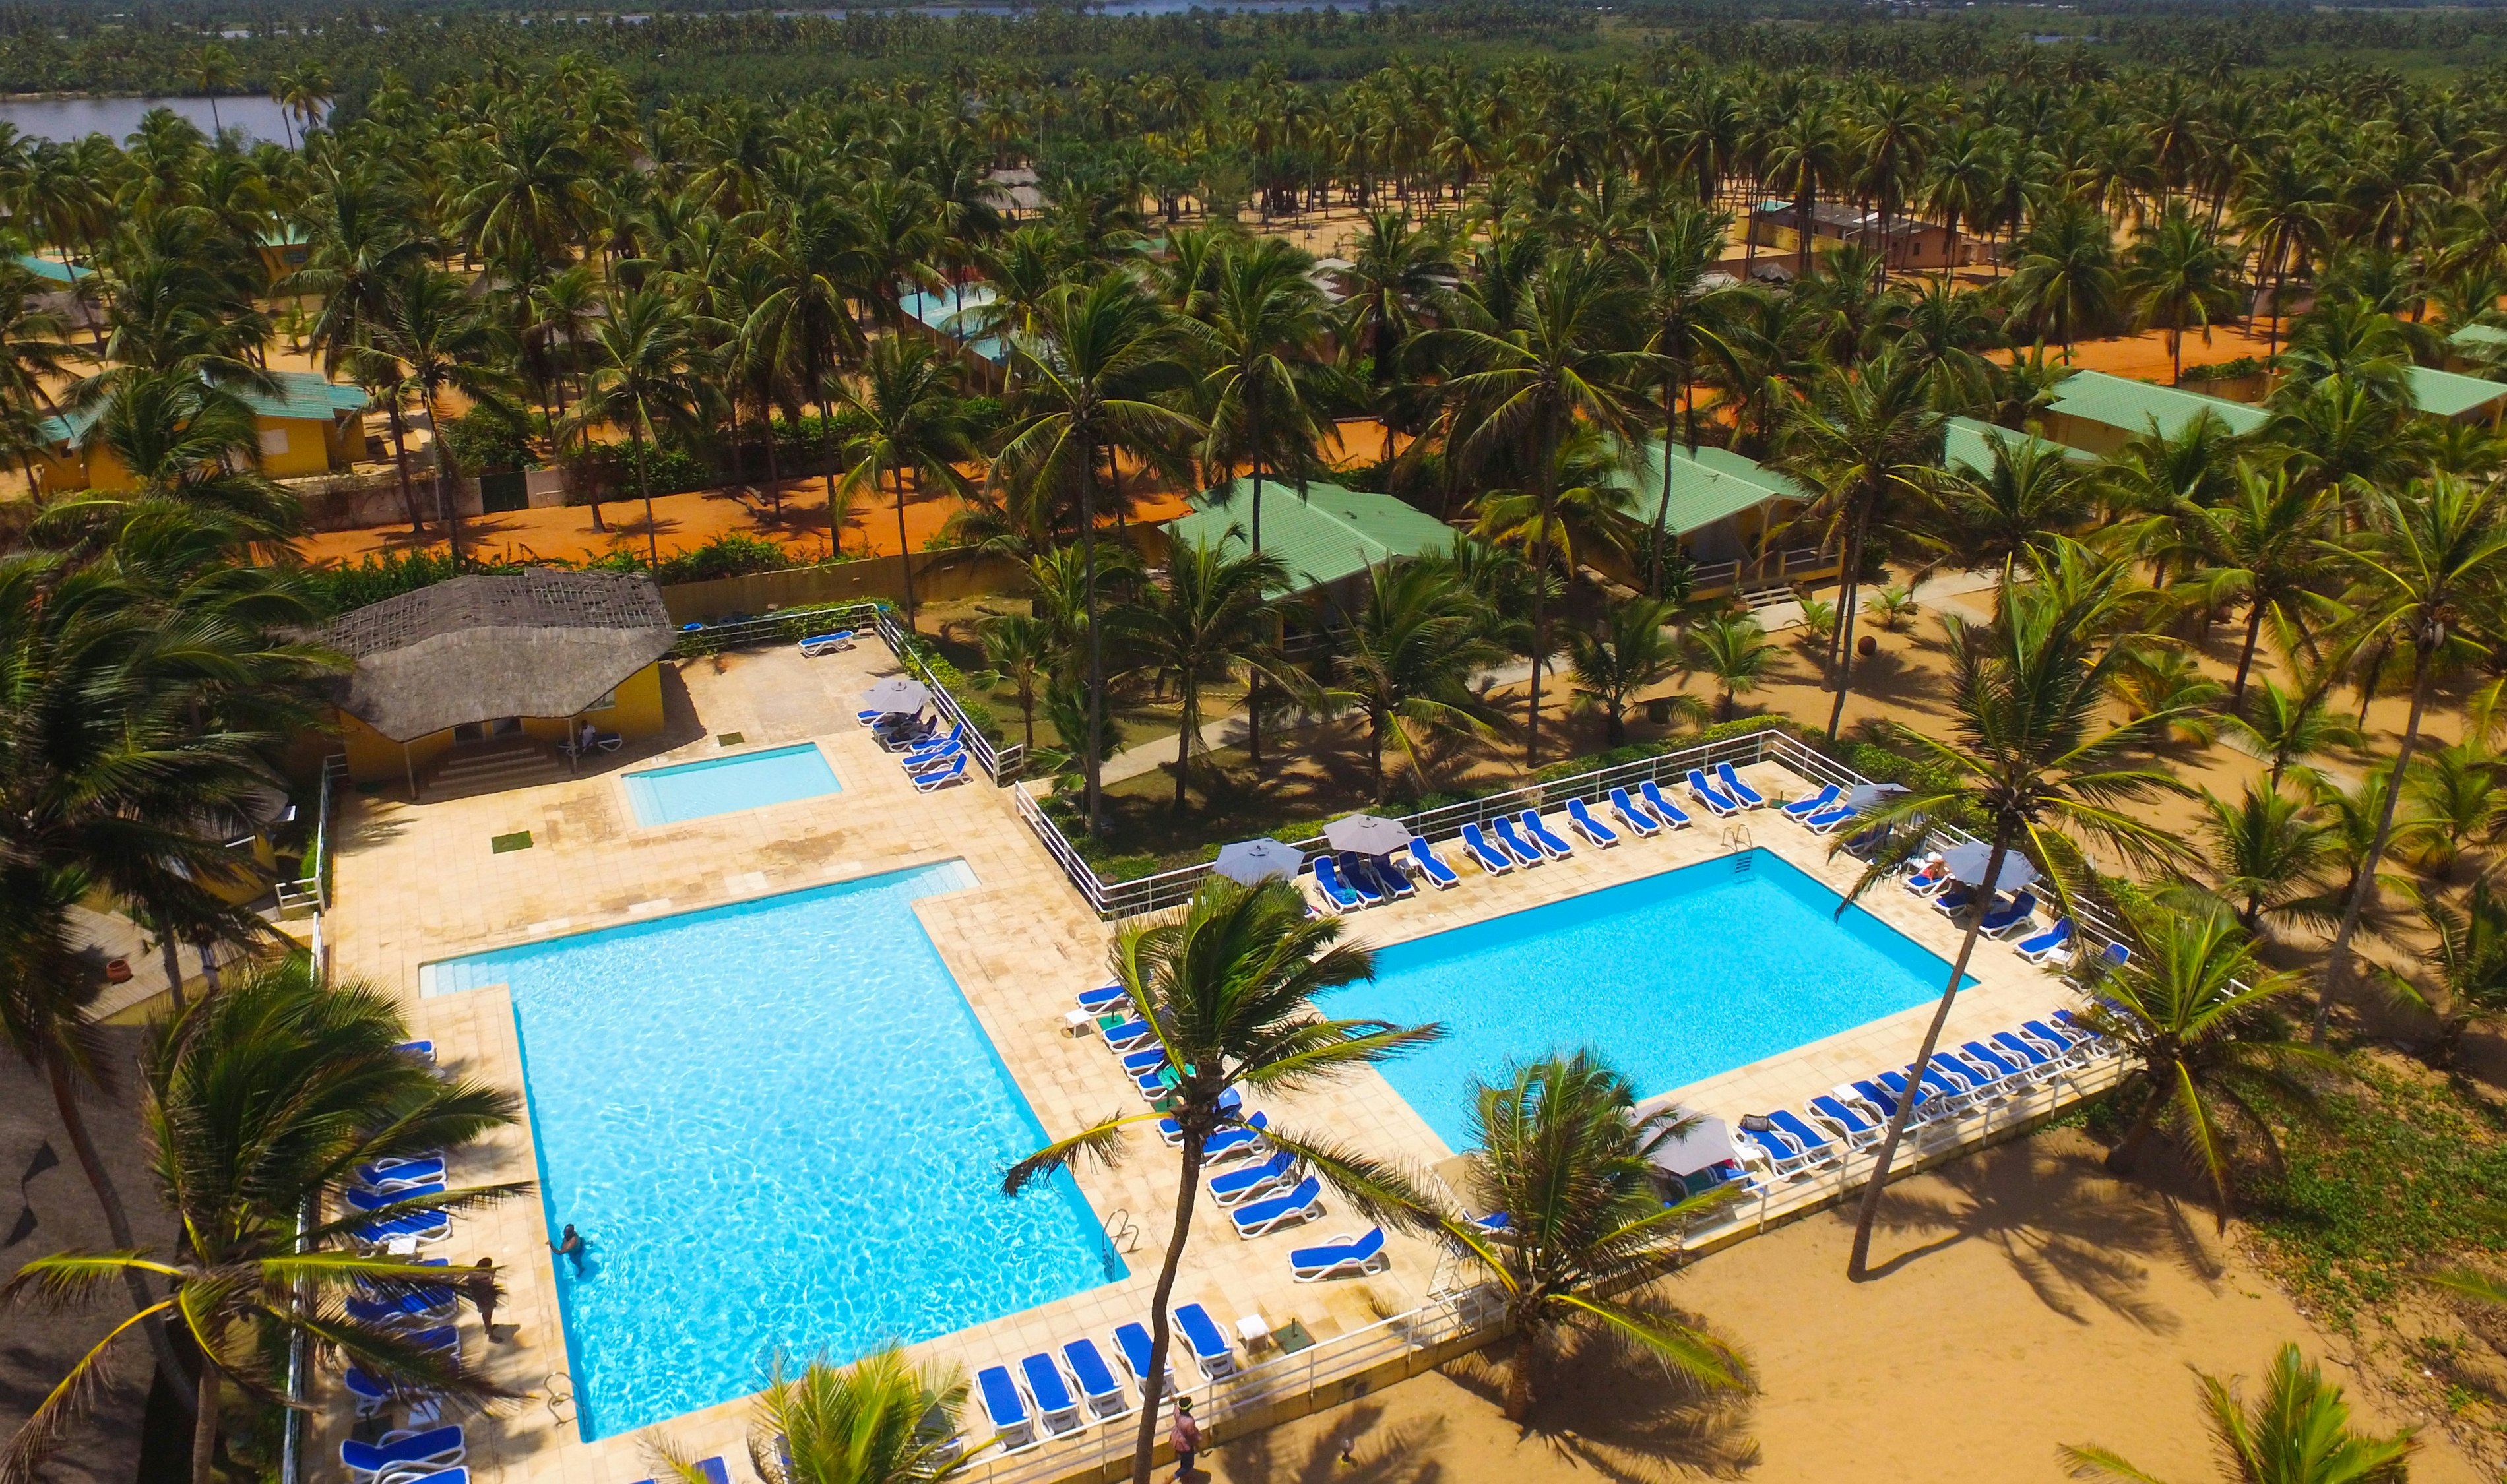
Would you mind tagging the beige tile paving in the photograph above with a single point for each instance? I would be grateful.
(417, 884)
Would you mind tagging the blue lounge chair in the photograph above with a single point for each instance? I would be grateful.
(1344, 895)
(1936, 1098)
(1524, 851)
(1201, 1335)
(1857, 1132)
(1714, 798)
(2070, 1050)
(1235, 1187)
(430, 1450)
(869, 716)
(1863, 845)
(401, 1178)
(1827, 823)
(443, 1476)
(1057, 1410)
(2035, 1061)
(1236, 1142)
(433, 1304)
(932, 782)
(1262, 1217)
(1104, 998)
(1672, 816)
(1927, 875)
(1879, 1097)
(1816, 804)
(711, 1471)
(1737, 791)
(2055, 941)
(1818, 1146)
(1096, 1379)
(1154, 1086)
(2012, 914)
(379, 1200)
(1488, 856)
(1339, 1255)
(938, 757)
(1585, 824)
(1131, 1343)
(1173, 1132)
(1496, 1223)
(1128, 1035)
(1777, 1151)
(1439, 874)
(1954, 899)
(2116, 955)
(1149, 1059)
(817, 644)
(2098, 1044)
(1980, 1084)
(956, 735)
(1005, 1408)
(2017, 1071)
(1543, 836)
(424, 1051)
(1633, 815)
(1361, 872)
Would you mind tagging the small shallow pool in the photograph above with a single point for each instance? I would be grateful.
(721, 785)
(782, 1129)
(1675, 978)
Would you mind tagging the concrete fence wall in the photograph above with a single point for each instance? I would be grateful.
(939, 577)
(355, 502)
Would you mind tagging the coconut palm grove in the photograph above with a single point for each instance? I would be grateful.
(1311, 499)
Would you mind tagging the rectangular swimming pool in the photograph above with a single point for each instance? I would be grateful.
(720, 785)
(1675, 978)
(781, 1129)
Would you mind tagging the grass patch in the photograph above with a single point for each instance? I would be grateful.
(2407, 1171)
(518, 840)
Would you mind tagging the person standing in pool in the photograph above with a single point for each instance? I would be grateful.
(570, 1245)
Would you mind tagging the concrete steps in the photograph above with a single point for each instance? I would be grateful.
(489, 767)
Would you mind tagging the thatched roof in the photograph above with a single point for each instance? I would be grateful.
(543, 643)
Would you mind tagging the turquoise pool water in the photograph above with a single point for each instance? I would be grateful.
(780, 1129)
(718, 785)
(1675, 978)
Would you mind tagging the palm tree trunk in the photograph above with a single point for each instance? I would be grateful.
(1152, 1392)
(1540, 585)
(2337, 964)
(773, 472)
(447, 501)
(1858, 1265)
(1187, 717)
(400, 462)
(826, 437)
(173, 955)
(2247, 658)
(204, 1423)
(1662, 507)
(644, 491)
(1091, 765)
(1522, 1372)
(117, 1219)
(2127, 1149)
(904, 551)
(1848, 593)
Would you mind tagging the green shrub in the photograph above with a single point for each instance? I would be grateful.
(341, 589)
(486, 439)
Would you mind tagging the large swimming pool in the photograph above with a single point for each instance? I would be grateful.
(781, 1129)
(1675, 978)
(719, 786)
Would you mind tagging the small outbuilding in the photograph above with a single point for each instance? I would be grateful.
(1326, 536)
(2101, 414)
(304, 423)
(485, 679)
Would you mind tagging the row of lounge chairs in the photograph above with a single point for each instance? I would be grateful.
(932, 760)
(1974, 1078)
(2014, 921)
(426, 1318)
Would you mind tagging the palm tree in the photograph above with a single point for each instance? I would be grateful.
(1089, 389)
(2179, 277)
(880, 1420)
(2000, 517)
(2065, 278)
(361, 251)
(1262, 318)
(649, 375)
(1398, 276)
(533, 190)
(2299, 1432)
(910, 416)
(2035, 757)
(213, 70)
(2286, 726)
(1210, 618)
(1868, 443)
(2188, 1011)
(2284, 204)
(1227, 984)
(1558, 362)
(807, 325)
(256, 1100)
(2265, 849)
(1630, 651)
(1678, 255)
(2429, 554)
(1805, 154)
(432, 339)
(1586, 1235)
(2467, 976)
(1734, 650)
(303, 94)
(1407, 657)
(2262, 546)
(1021, 648)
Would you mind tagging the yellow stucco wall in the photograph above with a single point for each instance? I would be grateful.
(373, 758)
(290, 447)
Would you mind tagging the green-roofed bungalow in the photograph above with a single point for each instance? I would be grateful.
(1968, 444)
(2453, 396)
(307, 424)
(2100, 413)
(1723, 508)
(1325, 535)
(2479, 345)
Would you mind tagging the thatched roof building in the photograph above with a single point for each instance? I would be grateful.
(479, 649)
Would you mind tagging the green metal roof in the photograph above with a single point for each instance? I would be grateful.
(2120, 402)
(1329, 534)
(2446, 394)
(301, 396)
(1966, 443)
(2477, 337)
(1709, 484)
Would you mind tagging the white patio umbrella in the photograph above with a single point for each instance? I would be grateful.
(1966, 863)
(1702, 1145)
(1254, 861)
(1862, 796)
(895, 695)
(1366, 835)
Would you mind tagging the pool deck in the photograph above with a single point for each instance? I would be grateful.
(417, 883)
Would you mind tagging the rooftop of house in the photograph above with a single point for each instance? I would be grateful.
(1708, 485)
(2120, 402)
(296, 396)
(1321, 535)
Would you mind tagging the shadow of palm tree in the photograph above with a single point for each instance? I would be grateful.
(1357, 1449)
(2073, 1234)
(1625, 1414)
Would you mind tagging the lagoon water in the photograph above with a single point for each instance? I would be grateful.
(71, 118)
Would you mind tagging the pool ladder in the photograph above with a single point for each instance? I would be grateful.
(1122, 1233)
(1736, 837)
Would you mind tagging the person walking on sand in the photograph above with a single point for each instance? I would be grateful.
(1185, 1434)
(479, 1286)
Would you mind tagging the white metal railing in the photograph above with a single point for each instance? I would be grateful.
(310, 892)
(1001, 761)
(1448, 1316)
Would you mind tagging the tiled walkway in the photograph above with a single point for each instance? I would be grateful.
(420, 883)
